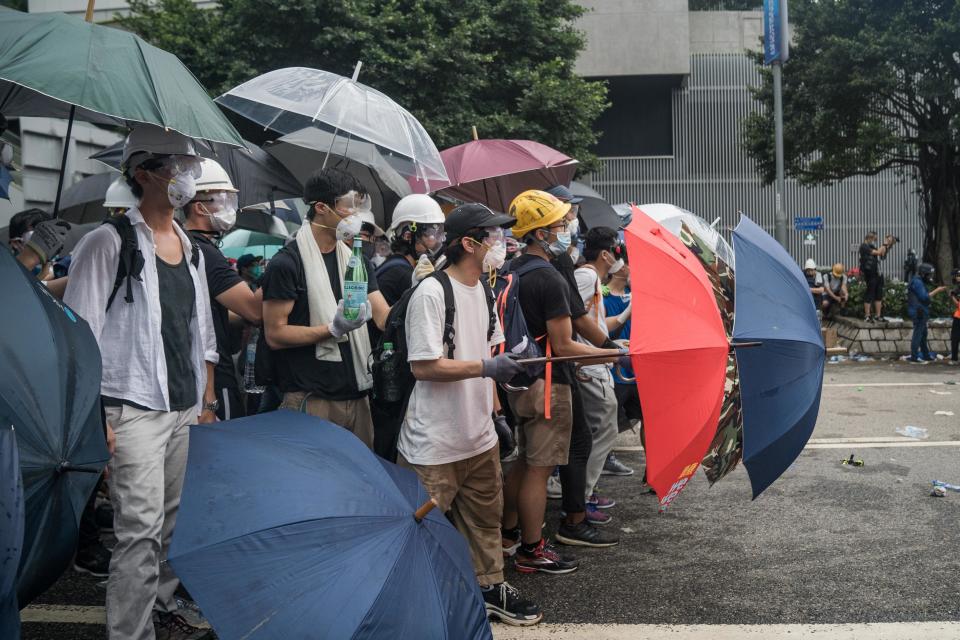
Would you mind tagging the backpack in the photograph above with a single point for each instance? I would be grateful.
(131, 262)
(390, 264)
(393, 379)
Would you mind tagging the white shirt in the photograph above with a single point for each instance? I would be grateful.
(131, 346)
(588, 283)
(448, 421)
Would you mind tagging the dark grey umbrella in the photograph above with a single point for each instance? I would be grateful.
(594, 210)
(83, 202)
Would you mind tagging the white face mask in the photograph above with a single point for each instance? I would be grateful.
(221, 208)
(574, 229)
(495, 256)
(616, 266)
(181, 189)
(348, 228)
(378, 260)
(575, 254)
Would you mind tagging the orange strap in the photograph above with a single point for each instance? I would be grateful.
(548, 383)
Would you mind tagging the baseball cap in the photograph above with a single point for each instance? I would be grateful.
(563, 194)
(247, 259)
(473, 216)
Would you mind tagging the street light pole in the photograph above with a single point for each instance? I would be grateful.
(780, 216)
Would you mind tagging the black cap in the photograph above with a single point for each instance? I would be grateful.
(247, 259)
(473, 216)
(563, 194)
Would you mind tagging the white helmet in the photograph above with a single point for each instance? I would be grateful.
(119, 196)
(147, 140)
(367, 217)
(213, 177)
(416, 207)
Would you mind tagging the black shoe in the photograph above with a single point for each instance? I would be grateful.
(544, 558)
(172, 626)
(504, 603)
(584, 534)
(94, 560)
(104, 516)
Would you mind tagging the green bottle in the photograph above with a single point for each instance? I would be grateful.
(355, 282)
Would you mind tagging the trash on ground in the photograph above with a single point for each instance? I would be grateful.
(836, 359)
(863, 358)
(913, 432)
(943, 413)
(941, 393)
(851, 461)
(859, 388)
(939, 492)
(626, 529)
(946, 485)
(950, 382)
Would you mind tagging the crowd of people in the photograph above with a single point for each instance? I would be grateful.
(491, 439)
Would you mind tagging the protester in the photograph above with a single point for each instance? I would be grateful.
(563, 194)
(870, 256)
(211, 213)
(918, 308)
(157, 344)
(603, 255)
(814, 281)
(21, 227)
(319, 356)
(616, 300)
(835, 290)
(448, 435)
(544, 297)
(250, 268)
(955, 328)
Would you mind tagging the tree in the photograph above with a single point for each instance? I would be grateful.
(505, 66)
(872, 85)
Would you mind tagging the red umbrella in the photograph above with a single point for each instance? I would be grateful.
(494, 172)
(679, 351)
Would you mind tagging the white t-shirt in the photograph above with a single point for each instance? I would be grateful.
(448, 421)
(588, 282)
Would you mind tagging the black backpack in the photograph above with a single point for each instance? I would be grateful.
(131, 262)
(393, 380)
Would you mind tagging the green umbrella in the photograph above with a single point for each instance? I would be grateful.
(58, 66)
(241, 241)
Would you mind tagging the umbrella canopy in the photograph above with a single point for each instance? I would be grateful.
(494, 172)
(288, 100)
(50, 392)
(679, 352)
(59, 66)
(781, 380)
(11, 533)
(673, 217)
(267, 556)
(241, 241)
(83, 202)
(257, 175)
(306, 150)
(624, 212)
(5, 180)
(594, 210)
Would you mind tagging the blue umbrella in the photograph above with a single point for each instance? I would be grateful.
(780, 380)
(50, 393)
(289, 527)
(11, 532)
(5, 179)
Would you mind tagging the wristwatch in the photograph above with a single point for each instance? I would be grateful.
(211, 406)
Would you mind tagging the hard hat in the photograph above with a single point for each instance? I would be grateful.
(368, 218)
(536, 209)
(809, 264)
(119, 196)
(838, 270)
(416, 207)
(926, 269)
(213, 177)
(149, 141)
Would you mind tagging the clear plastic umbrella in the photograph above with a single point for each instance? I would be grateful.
(287, 100)
(672, 217)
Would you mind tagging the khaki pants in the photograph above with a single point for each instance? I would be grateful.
(146, 478)
(542, 442)
(600, 407)
(352, 415)
(472, 491)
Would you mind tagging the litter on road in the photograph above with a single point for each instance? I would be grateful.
(913, 432)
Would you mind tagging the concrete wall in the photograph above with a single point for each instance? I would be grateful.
(635, 37)
(725, 31)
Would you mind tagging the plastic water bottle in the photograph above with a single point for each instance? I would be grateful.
(355, 282)
(249, 367)
(390, 388)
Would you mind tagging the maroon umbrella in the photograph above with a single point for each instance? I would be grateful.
(494, 172)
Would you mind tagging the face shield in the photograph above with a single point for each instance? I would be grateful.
(220, 207)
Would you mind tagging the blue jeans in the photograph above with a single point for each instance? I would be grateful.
(918, 343)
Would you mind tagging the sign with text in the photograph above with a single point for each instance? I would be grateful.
(776, 39)
(808, 223)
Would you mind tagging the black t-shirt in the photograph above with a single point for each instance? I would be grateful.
(396, 279)
(220, 278)
(545, 295)
(564, 264)
(177, 302)
(297, 368)
(868, 262)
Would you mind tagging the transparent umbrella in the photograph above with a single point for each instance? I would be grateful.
(287, 100)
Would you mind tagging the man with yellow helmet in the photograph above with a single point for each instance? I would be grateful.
(544, 411)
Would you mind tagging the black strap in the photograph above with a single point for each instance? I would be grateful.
(531, 265)
(449, 309)
(491, 308)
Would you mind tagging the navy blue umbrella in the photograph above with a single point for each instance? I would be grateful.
(50, 393)
(11, 531)
(781, 379)
(289, 527)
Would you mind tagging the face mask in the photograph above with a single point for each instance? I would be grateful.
(181, 189)
(575, 254)
(495, 256)
(378, 260)
(574, 229)
(616, 266)
(348, 228)
(561, 244)
(369, 251)
(256, 271)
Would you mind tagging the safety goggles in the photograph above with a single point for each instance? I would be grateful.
(493, 235)
(217, 201)
(172, 166)
(433, 231)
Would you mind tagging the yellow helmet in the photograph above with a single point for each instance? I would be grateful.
(535, 209)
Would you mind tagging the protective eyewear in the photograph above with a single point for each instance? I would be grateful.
(171, 166)
(217, 201)
(353, 203)
(493, 235)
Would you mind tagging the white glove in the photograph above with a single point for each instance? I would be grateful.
(422, 269)
(341, 325)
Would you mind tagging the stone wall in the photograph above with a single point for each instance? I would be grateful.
(888, 337)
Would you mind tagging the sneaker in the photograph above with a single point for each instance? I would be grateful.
(601, 502)
(554, 489)
(504, 603)
(613, 467)
(104, 517)
(94, 561)
(172, 626)
(868, 319)
(510, 541)
(544, 558)
(917, 361)
(595, 516)
(953, 363)
(584, 534)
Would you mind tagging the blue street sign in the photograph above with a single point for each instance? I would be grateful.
(776, 39)
(808, 223)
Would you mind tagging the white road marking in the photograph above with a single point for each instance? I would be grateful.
(845, 385)
(878, 442)
(64, 614)
(876, 631)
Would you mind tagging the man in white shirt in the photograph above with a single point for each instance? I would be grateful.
(603, 254)
(157, 344)
(448, 436)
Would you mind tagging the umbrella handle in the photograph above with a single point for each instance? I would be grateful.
(424, 509)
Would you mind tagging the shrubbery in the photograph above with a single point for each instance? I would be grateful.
(894, 301)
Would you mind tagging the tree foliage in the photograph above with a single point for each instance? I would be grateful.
(504, 66)
(872, 85)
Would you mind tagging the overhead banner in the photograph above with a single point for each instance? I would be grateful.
(776, 38)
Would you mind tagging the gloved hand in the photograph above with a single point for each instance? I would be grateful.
(422, 269)
(47, 238)
(505, 435)
(341, 325)
(502, 368)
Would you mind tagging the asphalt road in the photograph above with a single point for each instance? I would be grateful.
(826, 544)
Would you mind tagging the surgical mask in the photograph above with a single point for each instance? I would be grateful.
(256, 271)
(574, 229)
(615, 266)
(495, 256)
(369, 250)
(561, 244)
